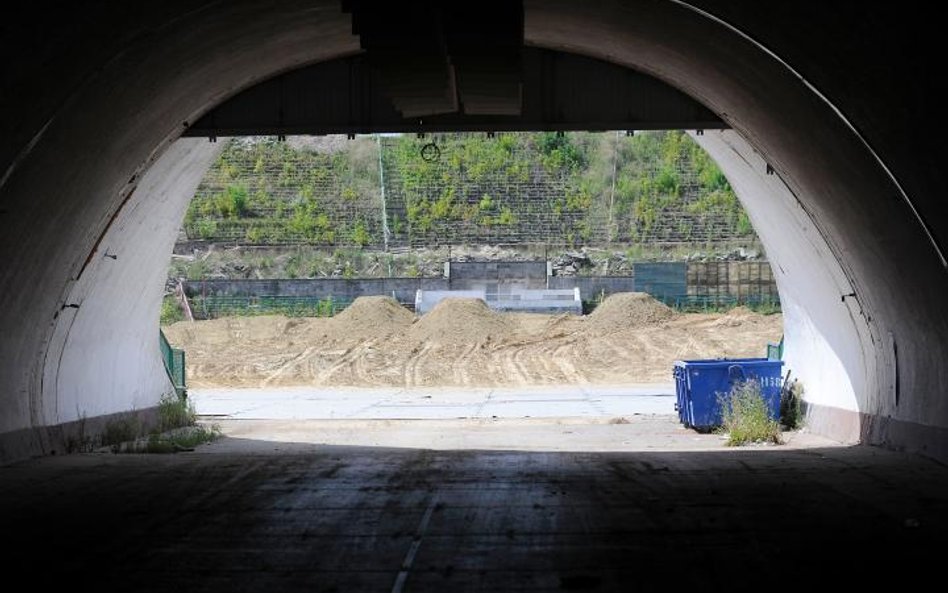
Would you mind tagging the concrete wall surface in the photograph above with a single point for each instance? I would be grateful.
(103, 357)
(403, 289)
(822, 336)
(523, 300)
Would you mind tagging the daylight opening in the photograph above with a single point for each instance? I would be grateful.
(463, 276)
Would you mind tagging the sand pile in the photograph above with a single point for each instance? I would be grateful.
(370, 316)
(628, 310)
(441, 348)
(737, 317)
(562, 325)
(460, 321)
(228, 329)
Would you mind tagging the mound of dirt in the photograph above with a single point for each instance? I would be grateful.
(628, 310)
(460, 321)
(228, 329)
(371, 316)
(564, 324)
(737, 317)
(443, 347)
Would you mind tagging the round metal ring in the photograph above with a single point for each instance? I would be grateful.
(430, 152)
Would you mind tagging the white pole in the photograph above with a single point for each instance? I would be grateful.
(385, 231)
(612, 193)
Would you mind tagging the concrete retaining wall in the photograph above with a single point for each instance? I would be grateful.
(402, 289)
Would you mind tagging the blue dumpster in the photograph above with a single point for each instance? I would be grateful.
(699, 383)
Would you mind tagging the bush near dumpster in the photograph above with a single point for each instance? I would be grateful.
(791, 405)
(745, 416)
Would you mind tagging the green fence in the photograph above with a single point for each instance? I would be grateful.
(717, 302)
(709, 286)
(213, 306)
(174, 364)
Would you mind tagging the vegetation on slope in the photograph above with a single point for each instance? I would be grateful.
(574, 188)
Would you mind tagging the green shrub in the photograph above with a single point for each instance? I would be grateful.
(175, 412)
(170, 311)
(765, 306)
(254, 235)
(325, 307)
(205, 229)
(746, 417)
(360, 235)
(237, 195)
(791, 406)
(506, 217)
(126, 428)
(743, 224)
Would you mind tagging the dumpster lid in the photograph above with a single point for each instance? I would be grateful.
(715, 361)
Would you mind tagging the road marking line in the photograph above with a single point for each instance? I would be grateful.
(415, 545)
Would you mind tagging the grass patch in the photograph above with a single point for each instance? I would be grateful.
(725, 305)
(177, 430)
(765, 307)
(125, 429)
(175, 412)
(181, 439)
(745, 416)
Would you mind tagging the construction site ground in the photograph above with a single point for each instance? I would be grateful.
(629, 339)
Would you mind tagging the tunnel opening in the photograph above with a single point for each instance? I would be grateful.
(590, 261)
(286, 104)
(543, 96)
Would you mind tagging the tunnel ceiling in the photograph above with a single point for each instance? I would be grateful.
(561, 91)
(434, 57)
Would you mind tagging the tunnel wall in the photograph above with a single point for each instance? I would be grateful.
(103, 90)
(823, 336)
(103, 357)
(871, 229)
(109, 345)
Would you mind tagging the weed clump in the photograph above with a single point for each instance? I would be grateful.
(170, 311)
(791, 405)
(177, 430)
(180, 439)
(745, 416)
(124, 429)
(175, 412)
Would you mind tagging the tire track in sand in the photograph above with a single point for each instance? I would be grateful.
(412, 374)
(282, 370)
(345, 360)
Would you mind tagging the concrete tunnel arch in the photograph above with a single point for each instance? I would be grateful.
(92, 170)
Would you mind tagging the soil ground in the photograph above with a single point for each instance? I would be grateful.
(629, 338)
